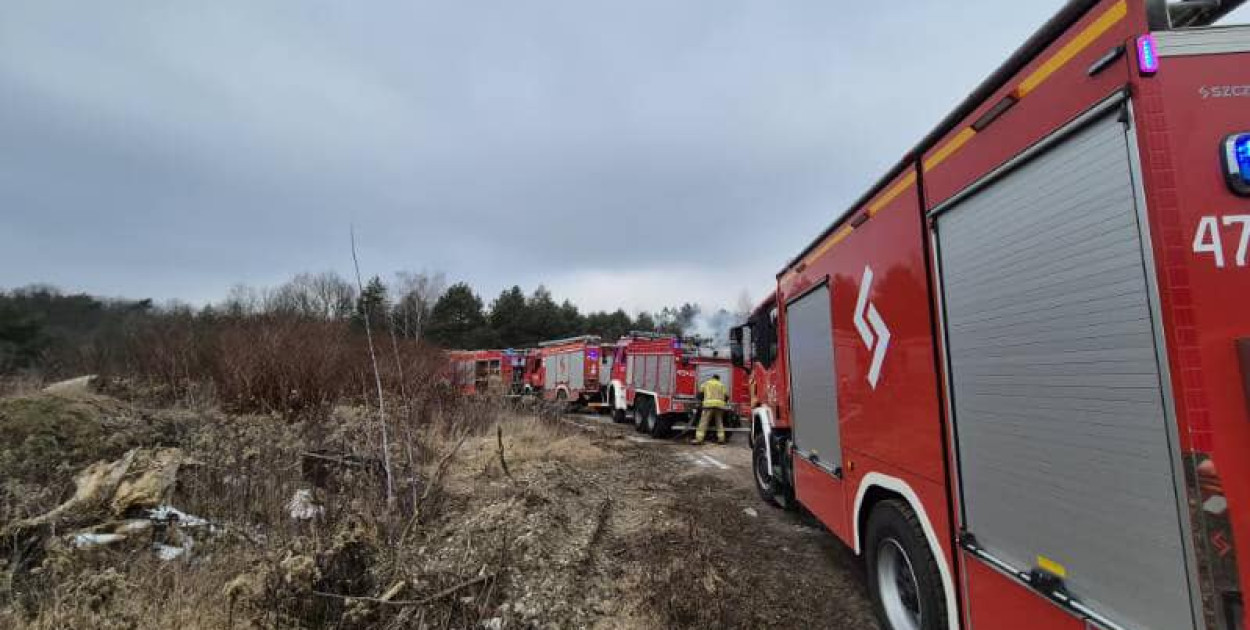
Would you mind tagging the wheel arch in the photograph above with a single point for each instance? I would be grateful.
(616, 395)
(876, 487)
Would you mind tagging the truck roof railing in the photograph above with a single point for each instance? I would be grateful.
(643, 334)
(557, 342)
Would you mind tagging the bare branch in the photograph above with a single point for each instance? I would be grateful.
(377, 377)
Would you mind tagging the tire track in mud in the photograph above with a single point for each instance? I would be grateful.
(688, 545)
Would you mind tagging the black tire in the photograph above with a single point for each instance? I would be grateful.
(661, 426)
(903, 576)
(771, 490)
(618, 416)
(640, 413)
(562, 401)
(651, 420)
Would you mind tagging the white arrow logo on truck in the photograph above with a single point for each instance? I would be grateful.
(872, 328)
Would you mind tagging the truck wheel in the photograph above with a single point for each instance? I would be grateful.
(903, 575)
(618, 416)
(770, 489)
(640, 414)
(661, 426)
(650, 421)
(562, 401)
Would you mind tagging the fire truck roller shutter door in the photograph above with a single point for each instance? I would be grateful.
(577, 369)
(1064, 445)
(724, 371)
(651, 365)
(666, 375)
(813, 395)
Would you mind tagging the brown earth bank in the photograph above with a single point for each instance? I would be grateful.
(499, 518)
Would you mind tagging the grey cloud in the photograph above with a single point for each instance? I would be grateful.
(166, 150)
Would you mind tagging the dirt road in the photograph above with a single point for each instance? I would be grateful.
(690, 517)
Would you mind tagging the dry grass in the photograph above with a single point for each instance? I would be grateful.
(263, 569)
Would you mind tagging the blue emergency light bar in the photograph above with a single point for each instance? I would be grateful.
(1236, 157)
(1147, 55)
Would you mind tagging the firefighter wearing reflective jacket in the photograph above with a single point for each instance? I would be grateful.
(713, 392)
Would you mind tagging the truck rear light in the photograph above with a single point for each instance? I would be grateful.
(1147, 55)
(1236, 157)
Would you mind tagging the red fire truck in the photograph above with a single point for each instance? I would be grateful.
(533, 378)
(487, 371)
(570, 369)
(1015, 375)
(658, 376)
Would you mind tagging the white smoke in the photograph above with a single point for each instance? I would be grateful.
(715, 326)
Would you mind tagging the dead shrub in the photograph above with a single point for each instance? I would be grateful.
(268, 363)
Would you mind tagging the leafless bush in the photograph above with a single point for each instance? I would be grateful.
(268, 363)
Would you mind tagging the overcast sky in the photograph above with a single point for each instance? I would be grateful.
(631, 154)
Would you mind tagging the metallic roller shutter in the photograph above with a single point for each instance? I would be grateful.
(813, 393)
(705, 372)
(666, 375)
(576, 362)
(1059, 413)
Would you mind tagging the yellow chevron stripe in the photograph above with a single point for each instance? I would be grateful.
(1090, 34)
(948, 149)
(892, 193)
(1108, 19)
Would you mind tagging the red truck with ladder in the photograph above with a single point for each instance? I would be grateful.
(1015, 375)
(658, 377)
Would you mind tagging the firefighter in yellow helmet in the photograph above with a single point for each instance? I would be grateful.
(714, 405)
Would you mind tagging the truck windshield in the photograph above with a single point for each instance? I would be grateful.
(763, 337)
(1171, 14)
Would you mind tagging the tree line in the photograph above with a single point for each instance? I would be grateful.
(42, 328)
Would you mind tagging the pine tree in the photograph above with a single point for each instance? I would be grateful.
(373, 305)
(457, 319)
(508, 317)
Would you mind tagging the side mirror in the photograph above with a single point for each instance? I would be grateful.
(736, 354)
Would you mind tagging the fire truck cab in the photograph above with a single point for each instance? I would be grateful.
(1014, 376)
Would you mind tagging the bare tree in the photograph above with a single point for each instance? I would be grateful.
(325, 296)
(332, 296)
(377, 377)
(242, 300)
(416, 294)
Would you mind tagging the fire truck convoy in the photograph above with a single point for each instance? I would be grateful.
(1015, 375)
(655, 376)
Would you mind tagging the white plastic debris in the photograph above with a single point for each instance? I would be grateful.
(166, 513)
(302, 508)
(751, 512)
(132, 526)
(88, 541)
(171, 552)
(494, 623)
